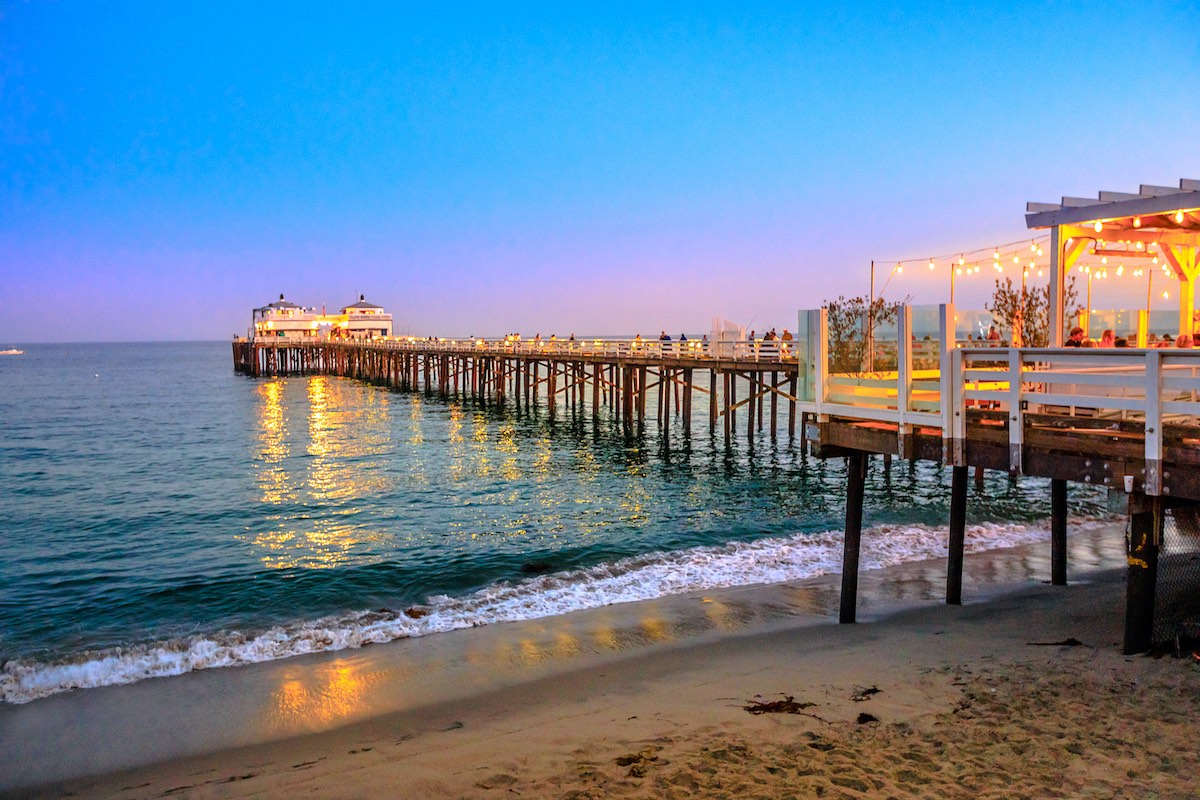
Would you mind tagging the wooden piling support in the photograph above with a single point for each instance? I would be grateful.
(958, 535)
(1145, 537)
(712, 401)
(1058, 532)
(856, 481)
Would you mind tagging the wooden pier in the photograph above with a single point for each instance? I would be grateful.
(619, 377)
(1127, 419)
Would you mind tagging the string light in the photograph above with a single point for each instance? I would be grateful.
(1137, 222)
(1099, 226)
(1094, 262)
(1179, 217)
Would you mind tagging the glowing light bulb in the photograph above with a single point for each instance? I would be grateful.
(958, 271)
(1033, 246)
(1039, 251)
(1039, 273)
(899, 269)
(1179, 217)
(1103, 259)
(1166, 295)
(961, 261)
(1025, 274)
(1099, 226)
(1137, 222)
(1016, 259)
(996, 254)
(1120, 269)
(1139, 246)
(931, 263)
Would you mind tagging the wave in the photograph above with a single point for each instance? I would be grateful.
(768, 560)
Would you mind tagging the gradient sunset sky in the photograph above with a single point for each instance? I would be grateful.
(590, 168)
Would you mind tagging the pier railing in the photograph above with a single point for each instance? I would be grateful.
(1148, 398)
(695, 349)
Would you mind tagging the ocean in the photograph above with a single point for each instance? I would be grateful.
(161, 514)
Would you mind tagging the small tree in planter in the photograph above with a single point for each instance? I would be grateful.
(850, 320)
(1027, 310)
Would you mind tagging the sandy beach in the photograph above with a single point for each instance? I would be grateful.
(757, 692)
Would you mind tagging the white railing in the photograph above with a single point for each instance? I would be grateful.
(1147, 388)
(1150, 388)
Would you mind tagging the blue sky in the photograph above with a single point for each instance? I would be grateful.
(480, 169)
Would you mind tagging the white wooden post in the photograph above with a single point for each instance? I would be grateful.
(903, 377)
(819, 347)
(947, 401)
(1153, 479)
(1016, 415)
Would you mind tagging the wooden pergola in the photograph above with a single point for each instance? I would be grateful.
(1158, 221)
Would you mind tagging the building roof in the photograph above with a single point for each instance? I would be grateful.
(362, 303)
(279, 304)
(1162, 208)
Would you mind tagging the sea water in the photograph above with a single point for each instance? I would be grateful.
(161, 514)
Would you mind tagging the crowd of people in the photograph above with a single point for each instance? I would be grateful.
(1108, 338)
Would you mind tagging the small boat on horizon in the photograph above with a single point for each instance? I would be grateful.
(12, 351)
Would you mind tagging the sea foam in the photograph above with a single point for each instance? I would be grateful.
(768, 560)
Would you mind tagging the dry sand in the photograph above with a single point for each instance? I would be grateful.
(930, 701)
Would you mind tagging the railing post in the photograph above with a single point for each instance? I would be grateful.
(947, 384)
(1016, 415)
(903, 379)
(1153, 479)
(818, 347)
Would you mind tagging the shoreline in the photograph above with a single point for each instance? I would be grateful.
(429, 687)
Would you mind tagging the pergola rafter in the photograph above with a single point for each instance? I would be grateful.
(1166, 216)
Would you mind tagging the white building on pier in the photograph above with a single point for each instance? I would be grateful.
(288, 321)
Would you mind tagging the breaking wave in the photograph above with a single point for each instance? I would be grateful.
(768, 560)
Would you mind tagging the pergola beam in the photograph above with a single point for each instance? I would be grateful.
(1164, 215)
(1096, 211)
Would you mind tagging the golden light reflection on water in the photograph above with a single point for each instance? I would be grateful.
(273, 480)
(325, 695)
(637, 500)
(348, 442)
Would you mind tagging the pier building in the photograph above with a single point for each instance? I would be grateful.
(1124, 418)
(284, 320)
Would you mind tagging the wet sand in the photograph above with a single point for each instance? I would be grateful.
(649, 699)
